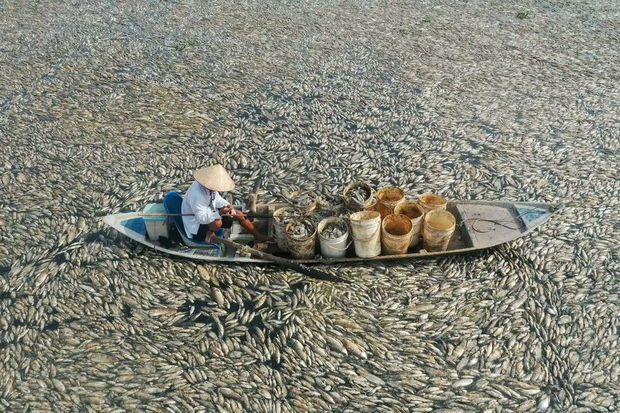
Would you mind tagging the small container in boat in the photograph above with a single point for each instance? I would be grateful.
(366, 232)
(439, 226)
(281, 217)
(301, 238)
(429, 202)
(156, 226)
(396, 234)
(416, 214)
(333, 235)
(359, 196)
(305, 201)
(387, 198)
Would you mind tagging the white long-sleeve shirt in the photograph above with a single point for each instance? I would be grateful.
(204, 204)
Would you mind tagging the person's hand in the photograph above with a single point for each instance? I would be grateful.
(226, 210)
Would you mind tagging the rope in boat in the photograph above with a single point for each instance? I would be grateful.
(494, 221)
(532, 211)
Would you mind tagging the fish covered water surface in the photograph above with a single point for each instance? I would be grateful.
(104, 107)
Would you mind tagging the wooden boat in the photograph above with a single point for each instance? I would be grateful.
(480, 225)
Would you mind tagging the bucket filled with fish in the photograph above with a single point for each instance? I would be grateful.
(439, 226)
(301, 238)
(281, 217)
(366, 231)
(305, 201)
(416, 214)
(387, 198)
(429, 202)
(359, 196)
(333, 235)
(396, 234)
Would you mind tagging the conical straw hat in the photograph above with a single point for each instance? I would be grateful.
(214, 178)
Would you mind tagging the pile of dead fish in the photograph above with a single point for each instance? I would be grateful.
(359, 194)
(334, 230)
(300, 229)
(102, 115)
(302, 200)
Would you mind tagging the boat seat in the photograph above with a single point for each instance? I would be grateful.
(172, 204)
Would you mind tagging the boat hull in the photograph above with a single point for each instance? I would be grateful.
(480, 225)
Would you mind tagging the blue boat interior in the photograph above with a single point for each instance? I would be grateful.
(530, 215)
(172, 203)
(135, 224)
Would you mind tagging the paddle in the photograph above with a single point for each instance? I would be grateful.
(248, 215)
(283, 262)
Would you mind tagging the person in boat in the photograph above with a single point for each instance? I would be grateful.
(211, 211)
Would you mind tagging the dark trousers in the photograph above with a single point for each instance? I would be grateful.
(204, 228)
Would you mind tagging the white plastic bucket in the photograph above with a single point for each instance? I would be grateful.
(396, 234)
(281, 217)
(430, 202)
(416, 215)
(366, 231)
(333, 247)
(439, 226)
